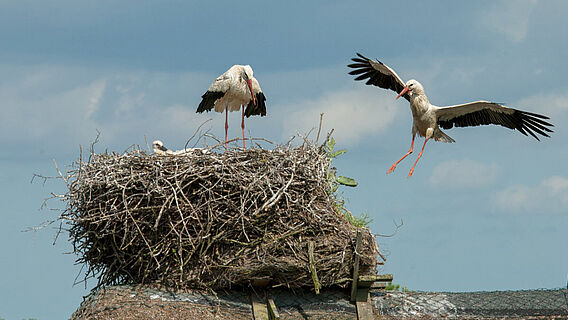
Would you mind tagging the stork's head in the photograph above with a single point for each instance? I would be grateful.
(158, 145)
(248, 71)
(412, 87)
(247, 76)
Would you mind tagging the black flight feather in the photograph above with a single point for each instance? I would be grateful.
(208, 101)
(377, 73)
(257, 109)
(524, 122)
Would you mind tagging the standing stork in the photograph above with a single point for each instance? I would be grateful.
(428, 118)
(235, 88)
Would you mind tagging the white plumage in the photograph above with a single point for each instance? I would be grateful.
(160, 149)
(428, 118)
(232, 90)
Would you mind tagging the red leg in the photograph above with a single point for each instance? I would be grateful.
(243, 125)
(419, 155)
(226, 126)
(409, 152)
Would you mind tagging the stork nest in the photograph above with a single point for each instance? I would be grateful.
(211, 220)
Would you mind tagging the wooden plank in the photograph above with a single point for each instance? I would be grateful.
(317, 284)
(378, 286)
(364, 310)
(272, 310)
(362, 295)
(259, 309)
(368, 280)
(384, 277)
(356, 265)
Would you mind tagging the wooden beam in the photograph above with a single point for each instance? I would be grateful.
(378, 286)
(317, 284)
(362, 295)
(364, 310)
(272, 310)
(368, 280)
(259, 309)
(384, 277)
(356, 265)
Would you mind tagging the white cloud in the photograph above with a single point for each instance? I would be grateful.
(510, 18)
(463, 174)
(94, 100)
(352, 113)
(551, 104)
(28, 116)
(59, 107)
(550, 195)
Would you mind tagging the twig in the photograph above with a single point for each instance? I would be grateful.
(311, 259)
(397, 227)
(195, 133)
(319, 128)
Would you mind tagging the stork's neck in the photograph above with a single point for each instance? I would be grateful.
(419, 102)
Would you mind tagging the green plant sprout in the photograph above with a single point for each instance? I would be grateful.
(335, 181)
(395, 287)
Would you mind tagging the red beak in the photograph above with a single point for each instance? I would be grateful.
(249, 83)
(405, 90)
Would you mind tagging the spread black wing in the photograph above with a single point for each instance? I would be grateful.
(377, 73)
(484, 112)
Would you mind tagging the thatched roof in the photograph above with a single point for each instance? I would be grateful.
(145, 302)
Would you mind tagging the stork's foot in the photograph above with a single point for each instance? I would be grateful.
(411, 172)
(391, 168)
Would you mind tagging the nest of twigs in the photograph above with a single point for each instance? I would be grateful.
(211, 220)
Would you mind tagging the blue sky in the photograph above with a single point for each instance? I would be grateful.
(488, 212)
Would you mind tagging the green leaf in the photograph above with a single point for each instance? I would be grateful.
(337, 153)
(331, 144)
(346, 181)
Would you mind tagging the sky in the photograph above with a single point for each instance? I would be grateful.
(489, 212)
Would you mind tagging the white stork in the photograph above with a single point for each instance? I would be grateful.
(428, 118)
(235, 88)
(160, 149)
